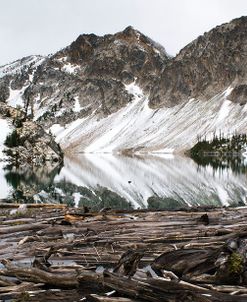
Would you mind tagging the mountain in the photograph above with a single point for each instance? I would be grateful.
(206, 67)
(124, 93)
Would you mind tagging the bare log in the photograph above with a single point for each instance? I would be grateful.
(97, 298)
(66, 280)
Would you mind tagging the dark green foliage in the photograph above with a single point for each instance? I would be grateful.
(47, 115)
(7, 114)
(60, 104)
(18, 123)
(95, 200)
(220, 152)
(13, 140)
(13, 178)
(220, 144)
(54, 108)
(165, 203)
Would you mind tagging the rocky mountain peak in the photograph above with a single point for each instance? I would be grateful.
(130, 31)
(119, 46)
(206, 66)
(92, 72)
(82, 47)
(103, 92)
(228, 36)
(130, 34)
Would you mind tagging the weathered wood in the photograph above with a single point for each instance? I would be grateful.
(191, 248)
(166, 291)
(62, 280)
(22, 228)
(97, 298)
(24, 286)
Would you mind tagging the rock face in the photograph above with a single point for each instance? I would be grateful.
(239, 94)
(90, 76)
(122, 92)
(28, 143)
(206, 66)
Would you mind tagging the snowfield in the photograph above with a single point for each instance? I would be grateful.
(5, 188)
(139, 129)
(17, 66)
(5, 130)
(15, 97)
(136, 128)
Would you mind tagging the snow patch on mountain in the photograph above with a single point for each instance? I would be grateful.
(135, 90)
(5, 187)
(39, 111)
(224, 111)
(17, 66)
(138, 128)
(5, 130)
(77, 106)
(69, 68)
(15, 97)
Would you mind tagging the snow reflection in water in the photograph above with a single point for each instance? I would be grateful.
(143, 181)
(139, 178)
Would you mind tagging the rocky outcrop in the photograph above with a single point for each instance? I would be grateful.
(239, 94)
(28, 143)
(4, 89)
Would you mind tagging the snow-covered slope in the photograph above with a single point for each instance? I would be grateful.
(5, 130)
(138, 178)
(138, 128)
(21, 65)
(5, 188)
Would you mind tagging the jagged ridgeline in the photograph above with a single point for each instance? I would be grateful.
(123, 93)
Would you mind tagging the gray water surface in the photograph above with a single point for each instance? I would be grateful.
(106, 180)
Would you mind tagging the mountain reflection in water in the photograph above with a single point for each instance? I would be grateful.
(106, 180)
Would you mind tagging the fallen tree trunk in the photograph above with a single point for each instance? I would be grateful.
(61, 280)
(154, 290)
(80, 246)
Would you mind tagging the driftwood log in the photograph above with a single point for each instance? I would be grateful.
(197, 255)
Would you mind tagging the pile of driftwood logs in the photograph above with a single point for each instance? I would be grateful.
(55, 253)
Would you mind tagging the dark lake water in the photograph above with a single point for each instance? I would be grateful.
(105, 180)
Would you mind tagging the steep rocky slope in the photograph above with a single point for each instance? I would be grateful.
(123, 93)
(206, 67)
(89, 76)
(25, 142)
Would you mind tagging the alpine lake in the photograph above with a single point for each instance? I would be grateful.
(97, 181)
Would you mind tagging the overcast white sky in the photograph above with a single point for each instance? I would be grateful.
(44, 26)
